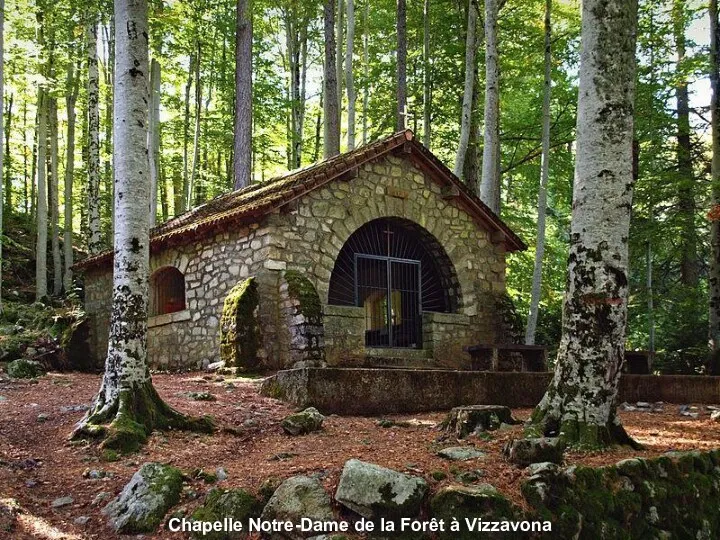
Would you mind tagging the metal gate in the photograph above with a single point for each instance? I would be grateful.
(389, 290)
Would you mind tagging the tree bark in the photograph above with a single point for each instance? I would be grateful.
(127, 407)
(154, 138)
(349, 80)
(366, 71)
(186, 135)
(689, 261)
(2, 90)
(41, 205)
(401, 65)
(196, 136)
(70, 100)
(542, 192)
(339, 54)
(331, 110)
(109, 166)
(467, 104)
(53, 186)
(6, 165)
(580, 403)
(427, 76)
(95, 244)
(714, 272)
(243, 98)
(490, 182)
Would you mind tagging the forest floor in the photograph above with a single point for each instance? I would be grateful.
(37, 465)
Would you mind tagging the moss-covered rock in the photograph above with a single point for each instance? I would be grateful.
(142, 504)
(240, 337)
(375, 492)
(529, 450)
(24, 369)
(237, 504)
(474, 419)
(303, 291)
(463, 503)
(303, 422)
(296, 498)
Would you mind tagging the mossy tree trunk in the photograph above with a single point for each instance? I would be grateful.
(580, 403)
(128, 408)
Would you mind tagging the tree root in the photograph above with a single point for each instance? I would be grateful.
(577, 433)
(125, 424)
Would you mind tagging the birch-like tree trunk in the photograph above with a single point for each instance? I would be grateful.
(542, 191)
(714, 272)
(401, 65)
(580, 403)
(154, 138)
(467, 104)
(331, 109)
(196, 132)
(95, 244)
(490, 182)
(109, 165)
(186, 134)
(427, 76)
(41, 208)
(349, 80)
(7, 157)
(70, 100)
(340, 53)
(53, 186)
(127, 407)
(243, 95)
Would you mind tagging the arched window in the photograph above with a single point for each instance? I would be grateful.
(167, 287)
(395, 270)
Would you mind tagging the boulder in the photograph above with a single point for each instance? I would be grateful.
(715, 416)
(144, 501)
(462, 503)
(237, 504)
(460, 453)
(24, 369)
(523, 452)
(376, 492)
(296, 498)
(472, 419)
(303, 422)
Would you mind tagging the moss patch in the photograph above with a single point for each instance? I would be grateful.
(239, 327)
(301, 289)
(237, 504)
(24, 369)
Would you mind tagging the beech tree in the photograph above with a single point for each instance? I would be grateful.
(95, 244)
(243, 95)
(127, 408)
(401, 65)
(714, 272)
(542, 191)
(331, 109)
(349, 80)
(2, 90)
(490, 182)
(580, 403)
(469, 89)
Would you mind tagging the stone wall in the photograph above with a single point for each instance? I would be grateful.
(306, 236)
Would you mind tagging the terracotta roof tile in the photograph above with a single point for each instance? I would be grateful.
(252, 202)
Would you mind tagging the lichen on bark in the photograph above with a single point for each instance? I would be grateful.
(580, 403)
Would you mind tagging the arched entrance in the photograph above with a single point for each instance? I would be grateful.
(395, 270)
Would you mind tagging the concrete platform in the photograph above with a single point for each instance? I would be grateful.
(369, 391)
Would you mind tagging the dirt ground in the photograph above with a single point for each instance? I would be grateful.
(37, 465)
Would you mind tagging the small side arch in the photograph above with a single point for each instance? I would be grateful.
(167, 291)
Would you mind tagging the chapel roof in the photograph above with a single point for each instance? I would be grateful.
(250, 204)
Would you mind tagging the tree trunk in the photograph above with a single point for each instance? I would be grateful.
(542, 192)
(2, 90)
(196, 136)
(401, 65)
(41, 205)
(154, 138)
(427, 76)
(186, 136)
(580, 403)
(331, 111)
(53, 186)
(95, 244)
(714, 272)
(127, 400)
(689, 261)
(70, 100)
(366, 71)
(490, 182)
(467, 105)
(243, 99)
(109, 79)
(339, 54)
(5, 165)
(303, 89)
(349, 81)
